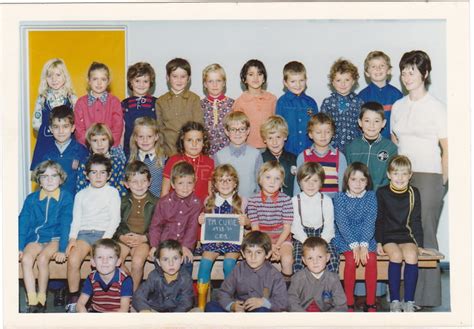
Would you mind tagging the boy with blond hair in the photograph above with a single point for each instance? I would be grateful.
(296, 107)
(378, 70)
(274, 133)
(245, 158)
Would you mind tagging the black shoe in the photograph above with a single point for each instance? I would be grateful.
(60, 297)
(38, 308)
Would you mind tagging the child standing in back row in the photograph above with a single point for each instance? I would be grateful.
(98, 105)
(296, 107)
(140, 80)
(55, 89)
(378, 69)
(257, 103)
(215, 106)
(343, 105)
(177, 106)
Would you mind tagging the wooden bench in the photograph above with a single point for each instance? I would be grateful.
(58, 271)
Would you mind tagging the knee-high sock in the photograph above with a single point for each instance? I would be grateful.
(229, 264)
(411, 277)
(205, 268)
(371, 278)
(349, 277)
(394, 277)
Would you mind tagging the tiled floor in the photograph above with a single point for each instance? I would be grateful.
(445, 307)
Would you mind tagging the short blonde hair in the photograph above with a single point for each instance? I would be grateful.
(275, 123)
(270, 165)
(376, 54)
(399, 162)
(342, 66)
(99, 129)
(236, 117)
(213, 68)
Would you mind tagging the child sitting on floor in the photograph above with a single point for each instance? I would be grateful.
(108, 288)
(254, 285)
(314, 289)
(169, 287)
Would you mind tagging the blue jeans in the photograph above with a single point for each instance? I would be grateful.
(214, 306)
(90, 236)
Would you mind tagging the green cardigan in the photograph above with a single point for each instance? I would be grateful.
(126, 207)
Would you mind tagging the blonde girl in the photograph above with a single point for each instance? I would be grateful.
(99, 140)
(223, 200)
(146, 145)
(215, 106)
(55, 89)
(43, 227)
(271, 211)
(98, 105)
(192, 146)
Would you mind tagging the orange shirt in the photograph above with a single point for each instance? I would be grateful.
(258, 109)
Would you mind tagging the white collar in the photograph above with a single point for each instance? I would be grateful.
(142, 155)
(220, 200)
(350, 195)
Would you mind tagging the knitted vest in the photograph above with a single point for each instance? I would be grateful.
(330, 164)
(108, 299)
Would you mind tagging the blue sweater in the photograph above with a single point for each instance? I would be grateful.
(73, 155)
(44, 220)
(297, 110)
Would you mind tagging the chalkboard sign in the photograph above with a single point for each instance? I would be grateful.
(222, 228)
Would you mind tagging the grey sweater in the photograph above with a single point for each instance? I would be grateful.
(245, 282)
(326, 291)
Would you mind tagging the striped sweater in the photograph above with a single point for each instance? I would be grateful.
(270, 213)
(106, 297)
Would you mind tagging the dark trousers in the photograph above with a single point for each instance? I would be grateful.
(214, 306)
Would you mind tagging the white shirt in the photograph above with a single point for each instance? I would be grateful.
(312, 216)
(419, 125)
(96, 209)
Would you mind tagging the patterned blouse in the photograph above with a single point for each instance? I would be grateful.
(118, 172)
(214, 110)
(345, 111)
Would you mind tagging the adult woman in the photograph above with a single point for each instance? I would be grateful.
(419, 129)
